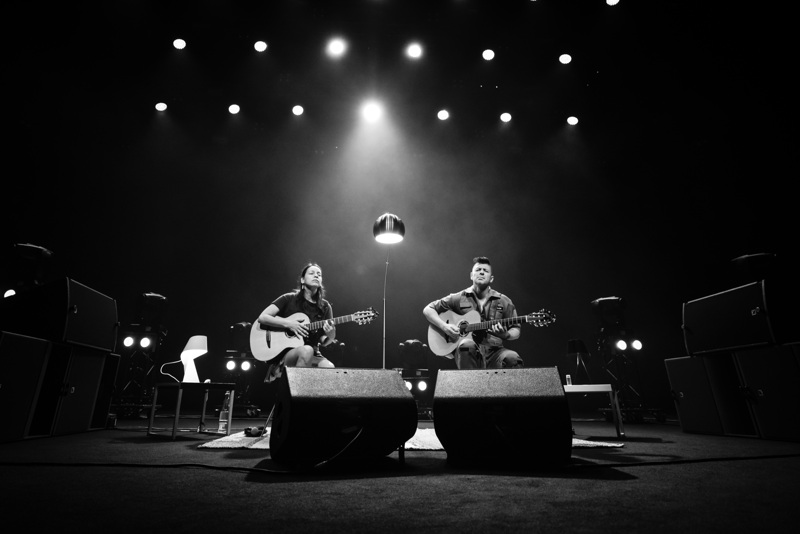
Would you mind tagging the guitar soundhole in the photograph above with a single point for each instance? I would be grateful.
(462, 327)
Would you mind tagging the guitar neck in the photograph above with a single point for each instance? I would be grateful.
(509, 321)
(316, 325)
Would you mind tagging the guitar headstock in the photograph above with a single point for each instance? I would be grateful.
(541, 318)
(365, 317)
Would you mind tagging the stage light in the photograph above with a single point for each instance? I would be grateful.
(238, 362)
(179, 44)
(260, 46)
(137, 347)
(572, 121)
(565, 59)
(488, 55)
(505, 117)
(139, 343)
(139, 338)
(616, 344)
(161, 106)
(241, 365)
(336, 47)
(443, 115)
(233, 109)
(371, 111)
(298, 110)
(420, 384)
(418, 381)
(414, 51)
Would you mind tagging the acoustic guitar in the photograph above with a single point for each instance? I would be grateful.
(442, 344)
(266, 342)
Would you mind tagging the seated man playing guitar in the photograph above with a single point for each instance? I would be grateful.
(483, 349)
(309, 301)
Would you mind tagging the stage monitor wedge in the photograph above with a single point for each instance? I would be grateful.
(503, 417)
(324, 414)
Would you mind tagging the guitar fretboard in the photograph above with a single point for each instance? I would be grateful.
(316, 325)
(509, 321)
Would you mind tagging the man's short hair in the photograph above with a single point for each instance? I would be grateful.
(481, 259)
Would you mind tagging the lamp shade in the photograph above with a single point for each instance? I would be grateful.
(389, 228)
(576, 346)
(196, 346)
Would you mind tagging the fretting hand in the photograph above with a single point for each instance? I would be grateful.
(499, 330)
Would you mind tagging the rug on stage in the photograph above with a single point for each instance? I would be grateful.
(424, 440)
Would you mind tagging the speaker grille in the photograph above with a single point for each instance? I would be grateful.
(321, 414)
(516, 416)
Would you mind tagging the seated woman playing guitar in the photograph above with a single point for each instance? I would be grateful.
(290, 316)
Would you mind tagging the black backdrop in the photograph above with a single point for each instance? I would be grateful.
(680, 162)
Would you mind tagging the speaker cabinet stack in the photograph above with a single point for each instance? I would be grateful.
(323, 414)
(57, 367)
(514, 417)
(742, 366)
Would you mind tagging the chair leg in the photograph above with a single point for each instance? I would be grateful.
(202, 427)
(616, 413)
(177, 413)
(230, 411)
(152, 411)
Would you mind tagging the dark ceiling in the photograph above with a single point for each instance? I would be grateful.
(680, 162)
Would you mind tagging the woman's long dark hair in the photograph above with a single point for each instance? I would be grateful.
(320, 294)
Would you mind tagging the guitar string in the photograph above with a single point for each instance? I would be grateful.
(541, 319)
(316, 325)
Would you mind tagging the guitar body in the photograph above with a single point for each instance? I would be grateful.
(266, 343)
(442, 344)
